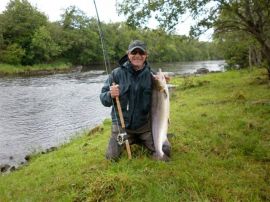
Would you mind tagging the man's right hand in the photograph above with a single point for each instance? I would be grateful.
(114, 91)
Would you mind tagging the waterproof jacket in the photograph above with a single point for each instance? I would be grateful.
(135, 94)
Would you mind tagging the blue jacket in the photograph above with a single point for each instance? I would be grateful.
(135, 94)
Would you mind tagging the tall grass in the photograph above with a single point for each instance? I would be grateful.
(220, 152)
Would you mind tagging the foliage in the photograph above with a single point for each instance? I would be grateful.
(220, 152)
(1, 32)
(240, 50)
(20, 22)
(140, 12)
(13, 54)
(81, 40)
(250, 17)
(43, 48)
(75, 38)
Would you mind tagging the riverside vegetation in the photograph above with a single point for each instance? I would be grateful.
(38, 69)
(220, 152)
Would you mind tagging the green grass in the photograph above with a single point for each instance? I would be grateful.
(221, 152)
(6, 69)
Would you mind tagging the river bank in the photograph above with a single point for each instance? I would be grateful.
(220, 152)
(36, 70)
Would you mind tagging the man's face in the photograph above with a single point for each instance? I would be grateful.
(137, 58)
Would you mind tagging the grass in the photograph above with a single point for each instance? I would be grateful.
(221, 152)
(6, 69)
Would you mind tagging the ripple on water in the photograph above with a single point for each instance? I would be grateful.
(41, 112)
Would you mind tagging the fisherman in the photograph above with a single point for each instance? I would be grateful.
(133, 79)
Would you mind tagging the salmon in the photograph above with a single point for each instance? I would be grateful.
(160, 111)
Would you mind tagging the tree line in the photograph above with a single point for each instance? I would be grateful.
(241, 27)
(27, 37)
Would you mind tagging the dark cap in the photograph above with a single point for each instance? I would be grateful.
(137, 44)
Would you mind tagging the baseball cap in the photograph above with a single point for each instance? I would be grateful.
(137, 44)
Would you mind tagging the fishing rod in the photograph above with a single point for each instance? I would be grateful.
(101, 36)
(122, 137)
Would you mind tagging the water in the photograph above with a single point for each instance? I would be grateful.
(40, 112)
(37, 113)
(191, 67)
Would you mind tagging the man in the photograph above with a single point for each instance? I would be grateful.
(133, 79)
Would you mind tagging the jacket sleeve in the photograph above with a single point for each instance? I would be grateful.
(105, 96)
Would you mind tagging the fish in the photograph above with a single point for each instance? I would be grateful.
(160, 111)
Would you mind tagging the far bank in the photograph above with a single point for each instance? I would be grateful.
(35, 70)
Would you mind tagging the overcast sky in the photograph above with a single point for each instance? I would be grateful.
(54, 8)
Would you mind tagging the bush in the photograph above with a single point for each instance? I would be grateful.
(13, 54)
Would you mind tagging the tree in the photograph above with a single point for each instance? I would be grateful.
(13, 54)
(74, 18)
(43, 48)
(249, 16)
(19, 22)
(1, 32)
(240, 50)
(79, 41)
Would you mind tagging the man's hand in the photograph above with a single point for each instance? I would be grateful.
(114, 91)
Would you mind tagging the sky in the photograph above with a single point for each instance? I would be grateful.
(54, 8)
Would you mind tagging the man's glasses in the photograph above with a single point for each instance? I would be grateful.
(134, 52)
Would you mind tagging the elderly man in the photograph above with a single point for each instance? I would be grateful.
(133, 77)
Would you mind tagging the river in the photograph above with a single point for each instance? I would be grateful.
(40, 112)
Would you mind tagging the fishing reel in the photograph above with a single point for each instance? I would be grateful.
(121, 138)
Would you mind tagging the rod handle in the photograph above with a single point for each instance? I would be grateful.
(122, 124)
(119, 110)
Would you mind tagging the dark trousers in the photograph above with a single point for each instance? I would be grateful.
(142, 136)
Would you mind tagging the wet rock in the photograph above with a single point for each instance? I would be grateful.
(13, 168)
(27, 157)
(4, 168)
(51, 149)
(202, 71)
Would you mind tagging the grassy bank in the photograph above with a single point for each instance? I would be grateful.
(6, 69)
(221, 152)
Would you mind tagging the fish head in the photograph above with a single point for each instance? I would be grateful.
(159, 81)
